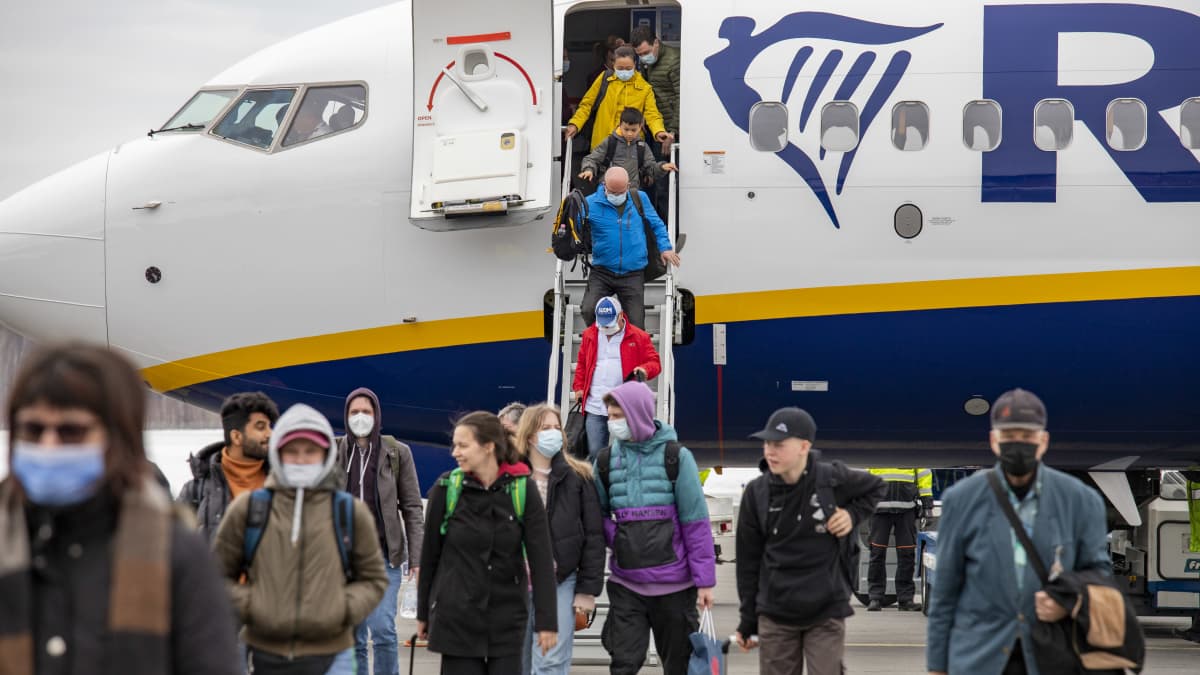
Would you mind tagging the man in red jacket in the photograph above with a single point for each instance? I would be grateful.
(613, 351)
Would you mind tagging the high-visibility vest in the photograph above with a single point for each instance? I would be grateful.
(905, 486)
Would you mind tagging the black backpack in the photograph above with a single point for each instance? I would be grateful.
(655, 267)
(610, 151)
(670, 460)
(571, 237)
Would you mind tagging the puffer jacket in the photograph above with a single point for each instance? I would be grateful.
(663, 77)
(296, 600)
(575, 527)
(619, 237)
(658, 535)
(207, 494)
(636, 93)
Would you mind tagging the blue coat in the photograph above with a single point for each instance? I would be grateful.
(619, 239)
(976, 612)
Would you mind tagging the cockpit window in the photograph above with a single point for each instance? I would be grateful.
(327, 110)
(200, 110)
(256, 117)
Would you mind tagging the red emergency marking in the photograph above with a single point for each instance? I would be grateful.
(482, 37)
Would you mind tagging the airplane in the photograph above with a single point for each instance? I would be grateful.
(893, 212)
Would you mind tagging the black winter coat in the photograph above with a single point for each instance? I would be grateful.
(207, 493)
(473, 588)
(72, 560)
(576, 527)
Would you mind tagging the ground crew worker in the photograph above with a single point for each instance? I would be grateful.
(909, 491)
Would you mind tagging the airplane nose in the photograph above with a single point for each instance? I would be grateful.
(52, 256)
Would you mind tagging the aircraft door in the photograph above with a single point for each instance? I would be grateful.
(484, 127)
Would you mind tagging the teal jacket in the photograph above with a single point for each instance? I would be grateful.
(976, 613)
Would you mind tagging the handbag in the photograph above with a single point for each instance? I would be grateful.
(584, 618)
(1056, 645)
(708, 652)
(576, 431)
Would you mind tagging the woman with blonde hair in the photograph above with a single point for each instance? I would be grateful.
(576, 529)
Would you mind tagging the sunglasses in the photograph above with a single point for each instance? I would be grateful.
(67, 432)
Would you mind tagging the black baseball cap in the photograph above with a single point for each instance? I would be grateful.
(1019, 409)
(788, 423)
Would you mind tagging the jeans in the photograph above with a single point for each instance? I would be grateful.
(596, 427)
(557, 661)
(343, 663)
(382, 626)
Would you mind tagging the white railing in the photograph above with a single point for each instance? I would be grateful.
(556, 329)
(666, 322)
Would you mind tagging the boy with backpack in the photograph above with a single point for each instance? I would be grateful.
(656, 525)
(795, 544)
(625, 148)
(302, 559)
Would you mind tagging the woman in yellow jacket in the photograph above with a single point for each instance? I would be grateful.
(626, 89)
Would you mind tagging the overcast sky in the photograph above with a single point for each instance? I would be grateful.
(80, 76)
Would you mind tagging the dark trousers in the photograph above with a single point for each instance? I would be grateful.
(631, 618)
(630, 289)
(785, 649)
(1016, 661)
(266, 663)
(904, 524)
(496, 665)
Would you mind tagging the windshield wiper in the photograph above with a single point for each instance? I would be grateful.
(185, 127)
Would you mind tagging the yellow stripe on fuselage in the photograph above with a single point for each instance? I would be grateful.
(725, 308)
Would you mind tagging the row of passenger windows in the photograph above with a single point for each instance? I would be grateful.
(1053, 124)
(257, 118)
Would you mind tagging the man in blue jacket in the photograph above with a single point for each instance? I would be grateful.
(619, 247)
(986, 593)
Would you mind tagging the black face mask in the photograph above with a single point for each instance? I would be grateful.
(1018, 458)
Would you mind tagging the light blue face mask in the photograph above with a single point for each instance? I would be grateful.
(617, 200)
(566, 66)
(649, 58)
(58, 476)
(624, 75)
(549, 442)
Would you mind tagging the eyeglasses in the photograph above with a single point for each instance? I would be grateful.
(67, 432)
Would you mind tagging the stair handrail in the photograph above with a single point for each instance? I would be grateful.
(666, 323)
(556, 329)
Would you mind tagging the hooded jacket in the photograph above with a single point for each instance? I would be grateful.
(660, 537)
(207, 494)
(401, 524)
(636, 93)
(473, 581)
(619, 237)
(625, 155)
(296, 600)
(636, 350)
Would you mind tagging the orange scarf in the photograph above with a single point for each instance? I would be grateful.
(242, 475)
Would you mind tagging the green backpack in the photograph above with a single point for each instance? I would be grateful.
(453, 484)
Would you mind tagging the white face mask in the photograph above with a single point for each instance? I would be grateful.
(302, 475)
(611, 330)
(549, 442)
(619, 429)
(361, 425)
(566, 66)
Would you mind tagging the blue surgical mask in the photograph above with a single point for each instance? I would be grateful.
(624, 75)
(649, 58)
(619, 429)
(617, 200)
(566, 66)
(58, 476)
(549, 442)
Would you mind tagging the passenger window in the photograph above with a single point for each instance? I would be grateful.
(910, 125)
(256, 117)
(839, 126)
(327, 110)
(201, 109)
(1053, 124)
(1125, 124)
(1189, 123)
(982, 125)
(768, 126)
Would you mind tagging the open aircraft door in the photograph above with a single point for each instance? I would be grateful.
(484, 128)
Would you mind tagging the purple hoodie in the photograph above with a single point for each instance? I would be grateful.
(637, 402)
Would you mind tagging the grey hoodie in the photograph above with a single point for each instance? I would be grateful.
(295, 418)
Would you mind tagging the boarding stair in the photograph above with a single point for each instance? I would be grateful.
(663, 323)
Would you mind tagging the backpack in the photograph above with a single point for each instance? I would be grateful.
(670, 461)
(260, 512)
(655, 267)
(611, 150)
(453, 484)
(848, 546)
(571, 237)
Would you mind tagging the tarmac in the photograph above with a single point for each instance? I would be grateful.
(876, 642)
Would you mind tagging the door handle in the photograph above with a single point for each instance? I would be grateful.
(148, 206)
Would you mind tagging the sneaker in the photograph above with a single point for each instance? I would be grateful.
(910, 606)
(875, 606)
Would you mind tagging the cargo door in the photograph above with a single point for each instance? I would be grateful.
(483, 120)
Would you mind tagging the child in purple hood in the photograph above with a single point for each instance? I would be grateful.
(663, 563)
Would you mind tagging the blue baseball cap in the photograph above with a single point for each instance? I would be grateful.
(607, 311)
